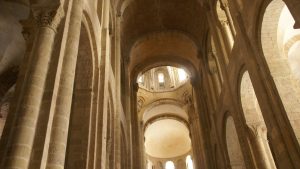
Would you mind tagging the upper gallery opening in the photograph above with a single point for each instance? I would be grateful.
(163, 78)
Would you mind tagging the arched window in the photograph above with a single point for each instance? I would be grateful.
(182, 75)
(149, 165)
(169, 165)
(189, 162)
(140, 79)
(161, 78)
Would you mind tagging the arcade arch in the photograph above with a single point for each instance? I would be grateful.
(280, 41)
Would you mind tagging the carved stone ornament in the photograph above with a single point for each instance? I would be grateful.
(258, 130)
(45, 17)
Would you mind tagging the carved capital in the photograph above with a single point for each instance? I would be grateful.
(45, 17)
(258, 130)
(224, 22)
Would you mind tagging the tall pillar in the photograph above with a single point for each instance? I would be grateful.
(28, 34)
(261, 149)
(117, 104)
(142, 148)
(60, 125)
(196, 137)
(136, 144)
(20, 148)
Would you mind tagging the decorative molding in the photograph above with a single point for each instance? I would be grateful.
(258, 130)
(48, 17)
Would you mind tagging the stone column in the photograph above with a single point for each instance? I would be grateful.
(228, 15)
(117, 103)
(172, 76)
(60, 125)
(24, 131)
(28, 32)
(142, 148)
(196, 138)
(261, 149)
(136, 144)
(228, 34)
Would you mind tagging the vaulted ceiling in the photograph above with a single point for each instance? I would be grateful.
(143, 17)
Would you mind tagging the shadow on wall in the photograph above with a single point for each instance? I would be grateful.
(12, 43)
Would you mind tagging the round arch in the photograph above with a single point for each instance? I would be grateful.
(271, 35)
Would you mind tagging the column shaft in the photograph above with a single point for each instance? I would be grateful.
(258, 133)
(60, 126)
(24, 130)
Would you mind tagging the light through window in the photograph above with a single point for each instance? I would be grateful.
(140, 79)
(169, 165)
(149, 165)
(182, 75)
(189, 162)
(161, 78)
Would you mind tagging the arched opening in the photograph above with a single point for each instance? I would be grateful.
(77, 147)
(257, 128)
(280, 45)
(233, 145)
(164, 113)
(163, 78)
(169, 165)
(189, 162)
